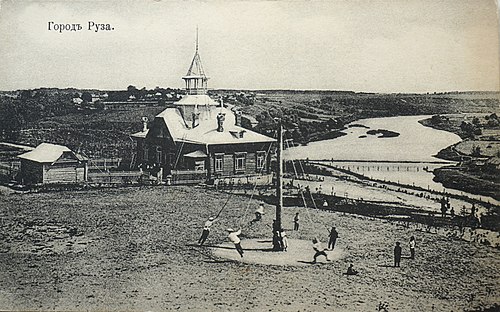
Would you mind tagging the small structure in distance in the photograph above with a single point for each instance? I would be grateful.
(52, 163)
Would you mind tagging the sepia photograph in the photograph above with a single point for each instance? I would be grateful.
(216, 155)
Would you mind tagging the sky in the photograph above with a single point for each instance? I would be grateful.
(367, 46)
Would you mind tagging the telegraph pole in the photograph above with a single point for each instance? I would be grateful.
(277, 246)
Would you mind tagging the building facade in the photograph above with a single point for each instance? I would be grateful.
(197, 139)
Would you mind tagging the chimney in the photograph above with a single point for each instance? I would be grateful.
(237, 116)
(144, 124)
(220, 122)
(241, 133)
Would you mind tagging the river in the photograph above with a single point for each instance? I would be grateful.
(406, 159)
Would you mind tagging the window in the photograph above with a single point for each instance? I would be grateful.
(158, 154)
(260, 161)
(239, 162)
(219, 163)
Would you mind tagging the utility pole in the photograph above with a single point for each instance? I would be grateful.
(277, 246)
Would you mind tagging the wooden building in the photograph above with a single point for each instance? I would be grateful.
(51, 163)
(198, 139)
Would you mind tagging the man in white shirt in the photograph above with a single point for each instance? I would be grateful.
(320, 250)
(233, 236)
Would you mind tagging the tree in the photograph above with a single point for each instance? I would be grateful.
(87, 97)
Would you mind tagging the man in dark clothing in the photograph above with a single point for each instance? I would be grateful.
(333, 238)
(397, 254)
(296, 222)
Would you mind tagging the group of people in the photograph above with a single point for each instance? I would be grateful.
(398, 251)
(318, 248)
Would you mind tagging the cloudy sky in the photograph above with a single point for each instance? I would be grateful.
(369, 45)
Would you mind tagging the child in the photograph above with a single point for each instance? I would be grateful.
(258, 214)
(320, 251)
(412, 247)
(284, 239)
(206, 230)
(351, 270)
(233, 237)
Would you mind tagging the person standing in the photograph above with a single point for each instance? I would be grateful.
(233, 237)
(318, 248)
(333, 238)
(206, 230)
(296, 222)
(412, 247)
(397, 254)
(284, 240)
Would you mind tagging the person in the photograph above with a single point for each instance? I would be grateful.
(333, 238)
(296, 222)
(443, 207)
(412, 247)
(284, 239)
(351, 270)
(452, 213)
(318, 248)
(233, 237)
(206, 230)
(397, 254)
(258, 213)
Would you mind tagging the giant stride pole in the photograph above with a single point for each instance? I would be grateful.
(279, 191)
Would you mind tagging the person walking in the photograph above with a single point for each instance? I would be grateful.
(233, 237)
(412, 247)
(333, 238)
(320, 251)
(206, 230)
(397, 254)
(296, 222)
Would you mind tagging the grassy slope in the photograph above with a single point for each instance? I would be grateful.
(139, 259)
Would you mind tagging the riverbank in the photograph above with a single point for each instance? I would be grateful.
(478, 171)
(132, 249)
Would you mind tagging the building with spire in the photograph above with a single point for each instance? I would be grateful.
(198, 139)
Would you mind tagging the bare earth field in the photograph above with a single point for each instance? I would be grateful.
(131, 249)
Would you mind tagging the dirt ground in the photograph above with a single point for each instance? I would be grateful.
(133, 249)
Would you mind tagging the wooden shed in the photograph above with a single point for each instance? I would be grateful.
(51, 163)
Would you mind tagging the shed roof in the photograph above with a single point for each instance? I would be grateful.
(48, 153)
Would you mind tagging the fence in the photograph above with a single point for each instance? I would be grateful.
(124, 177)
(9, 170)
(188, 176)
(104, 163)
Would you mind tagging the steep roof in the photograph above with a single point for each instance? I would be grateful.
(206, 132)
(48, 153)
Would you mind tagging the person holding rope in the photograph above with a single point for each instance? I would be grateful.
(258, 214)
(206, 230)
(333, 238)
(233, 237)
(319, 249)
